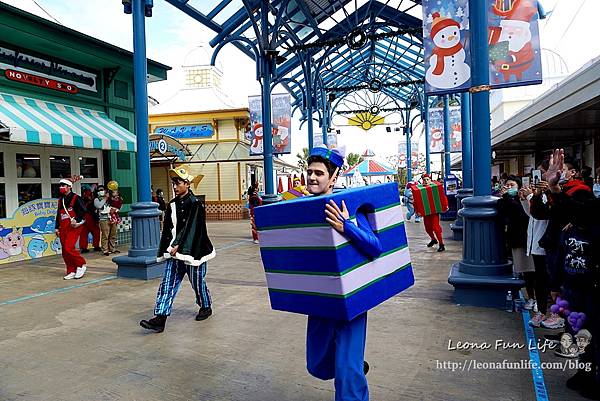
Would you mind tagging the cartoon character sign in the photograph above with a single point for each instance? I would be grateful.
(31, 232)
(36, 247)
(12, 244)
(56, 246)
(447, 64)
(280, 124)
(437, 140)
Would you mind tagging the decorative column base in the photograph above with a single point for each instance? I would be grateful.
(140, 262)
(483, 276)
(457, 227)
(452, 209)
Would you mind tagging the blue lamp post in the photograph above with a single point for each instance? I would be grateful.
(467, 163)
(140, 262)
(483, 276)
(426, 119)
(447, 133)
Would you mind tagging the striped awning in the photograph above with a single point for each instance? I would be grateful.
(37, 121)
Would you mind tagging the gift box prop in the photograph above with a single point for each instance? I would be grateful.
(429, 199)
(293, 193)
(314, 270)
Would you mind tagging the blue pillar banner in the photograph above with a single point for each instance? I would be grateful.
(436, 130)
(514, 40)
(455, 130)
(447, 50)
(281, 120)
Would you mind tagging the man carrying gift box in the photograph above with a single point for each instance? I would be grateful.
(187, 248)
(335, 348)
(432, 221)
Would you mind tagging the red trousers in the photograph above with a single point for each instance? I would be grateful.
(68, 238)
(90, 226)
(432, 226)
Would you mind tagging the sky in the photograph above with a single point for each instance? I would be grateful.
(171, 35)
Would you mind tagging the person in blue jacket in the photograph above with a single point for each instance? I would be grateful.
(335, 349)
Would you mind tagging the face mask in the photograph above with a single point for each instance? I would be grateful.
(512, 191)
(100, 193)
(63, 190)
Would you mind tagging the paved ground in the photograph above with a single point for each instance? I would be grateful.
(80, 340)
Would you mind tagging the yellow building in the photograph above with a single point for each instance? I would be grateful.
(213, 128)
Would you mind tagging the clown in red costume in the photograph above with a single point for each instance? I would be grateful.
(516, 30)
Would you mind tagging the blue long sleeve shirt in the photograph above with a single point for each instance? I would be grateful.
(362, 236)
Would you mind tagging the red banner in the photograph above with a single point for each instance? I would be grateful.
(40, 81)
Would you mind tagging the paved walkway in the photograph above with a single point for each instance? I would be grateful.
(80, 340)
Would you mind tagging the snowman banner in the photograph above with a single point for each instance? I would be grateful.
(455, 130)
(515, 57)
(447, 50)
(281, 117)
(436, 130)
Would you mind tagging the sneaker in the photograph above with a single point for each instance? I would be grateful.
(97, 249)
(255, 241)
(441, 248)
(536, 320)
(553, 322)
(417, 219)
(106, 253)
(69, 276)
(85, 250)
(530, 304)
(432, 243)
(156, 324)
(204, 313)
(366, 367)
(116, 251)
(80, 271)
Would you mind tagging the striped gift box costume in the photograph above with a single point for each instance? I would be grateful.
(429, 199)
(314, 270)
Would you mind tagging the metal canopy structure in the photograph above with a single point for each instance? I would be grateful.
(325, 50)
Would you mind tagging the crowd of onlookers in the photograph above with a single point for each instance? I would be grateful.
(553, 232)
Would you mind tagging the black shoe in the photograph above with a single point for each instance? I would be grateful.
(106, 253)
(441, 248)
(204, 313)
(577, 381)
(97, 249)
(366, 367)
(157, 323)
(85, 250)
(432, 243)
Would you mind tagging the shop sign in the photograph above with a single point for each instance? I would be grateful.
(187, 131)
(163, 147)
(40, 81)
(46, 68)
(29, 233)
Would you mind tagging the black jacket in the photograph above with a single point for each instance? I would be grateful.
(515, 219)
(78, 208)
(185, 227)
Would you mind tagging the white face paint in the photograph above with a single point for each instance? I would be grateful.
(447, 37)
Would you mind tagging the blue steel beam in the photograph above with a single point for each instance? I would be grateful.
(211, 15)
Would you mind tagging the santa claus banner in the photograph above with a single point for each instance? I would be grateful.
(515, 57)
(281, 118)
(447, 50)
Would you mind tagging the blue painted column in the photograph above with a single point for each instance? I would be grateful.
(426, 119)
(483, 276)
(467, 163)
(408, 134)
(447, 133)
(309, 103)
(325, 118)
(267, 67)
(140, 261)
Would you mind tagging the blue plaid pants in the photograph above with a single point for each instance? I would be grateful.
(174, 272)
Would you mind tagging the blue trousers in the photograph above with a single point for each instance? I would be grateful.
(335, 349)
(174, 272)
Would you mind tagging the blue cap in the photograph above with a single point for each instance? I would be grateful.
(333, 155)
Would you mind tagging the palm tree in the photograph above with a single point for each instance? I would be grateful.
(353, 159)
(302, 159)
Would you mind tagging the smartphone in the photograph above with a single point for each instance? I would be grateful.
(526, 182)
(537, 176)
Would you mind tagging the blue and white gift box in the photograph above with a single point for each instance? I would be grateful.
(314, 270)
